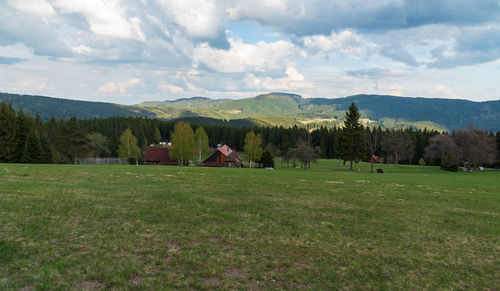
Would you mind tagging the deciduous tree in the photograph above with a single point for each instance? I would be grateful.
(477, 146)
(128, 146)
(304, 153)
(200, 142)
(398, 145)
(440, 146)
(182, 142)
(373, 138)
(98, 145)
(253, 147)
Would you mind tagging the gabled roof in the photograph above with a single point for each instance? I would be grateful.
(227, 152)
(157, 154)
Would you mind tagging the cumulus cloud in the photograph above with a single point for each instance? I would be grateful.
(292, 80)
(471, 46)
(189, 42)
(345, 42)
(119, 87)
(171, 88)
(243, 57)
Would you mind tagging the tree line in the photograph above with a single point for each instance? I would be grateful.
(27, 139)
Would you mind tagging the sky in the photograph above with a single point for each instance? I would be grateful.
(129, 51)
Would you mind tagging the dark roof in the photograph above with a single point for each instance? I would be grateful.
(159, 155)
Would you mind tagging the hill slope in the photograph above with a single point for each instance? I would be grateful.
(49, 107)
(282, 109)
(389, 111)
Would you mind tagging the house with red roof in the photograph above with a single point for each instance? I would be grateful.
(224, 156)
(374, 159)
(158, 156)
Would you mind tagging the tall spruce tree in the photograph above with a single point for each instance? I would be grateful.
(34, 149)
(8, 123)
(352, 143)
(21, 154)
(45, 151)
(71, 141)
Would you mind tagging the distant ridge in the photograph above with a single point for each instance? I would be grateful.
(60, 108)
(282, 109)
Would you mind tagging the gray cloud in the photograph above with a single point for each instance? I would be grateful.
(375, 73)
(321, 17)
(473, 46)
(10, 61)
(398, 53)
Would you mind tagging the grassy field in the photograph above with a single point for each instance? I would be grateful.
(167, 227)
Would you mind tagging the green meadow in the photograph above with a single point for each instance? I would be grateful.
(167, 227)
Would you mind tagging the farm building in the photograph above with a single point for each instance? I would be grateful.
(158, 156)
(224, 156)
(374, 159)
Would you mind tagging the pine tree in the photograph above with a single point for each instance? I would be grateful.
(70, 140)
(128, 147)
(34, 149)
(8, 126)
(200, 142)
(352, 143)
(182, 142)
(20, 154)
(45, 151)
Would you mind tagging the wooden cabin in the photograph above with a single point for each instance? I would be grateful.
(224, 156)
(158, 156)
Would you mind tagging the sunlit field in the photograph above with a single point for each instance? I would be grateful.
(152, 227)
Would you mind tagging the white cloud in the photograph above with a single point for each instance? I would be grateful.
(443, 91)
(345, 42)
(170, 88)
(35, 7)
(199, 18)
(119, 87)
(243, 57)
(105, 18)
(293, 80)
(331, 48)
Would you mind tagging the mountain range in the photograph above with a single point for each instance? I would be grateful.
(282, 109)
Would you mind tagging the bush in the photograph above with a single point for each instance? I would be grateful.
(267, 159)
(449, 163)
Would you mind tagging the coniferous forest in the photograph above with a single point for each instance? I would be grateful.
(28, 139)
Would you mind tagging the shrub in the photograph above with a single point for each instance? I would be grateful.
(449, 163)
(267, 159)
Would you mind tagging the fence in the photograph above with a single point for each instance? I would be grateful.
(101, 161)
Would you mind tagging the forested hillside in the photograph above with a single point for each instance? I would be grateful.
(281, 109)
(58, 108)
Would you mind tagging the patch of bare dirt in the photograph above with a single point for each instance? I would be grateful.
(235, 273)
(136, 281)
(90, 285)
(361, 181)
(172, 247)
(252, 285)
(211, 281)
(335, 182)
